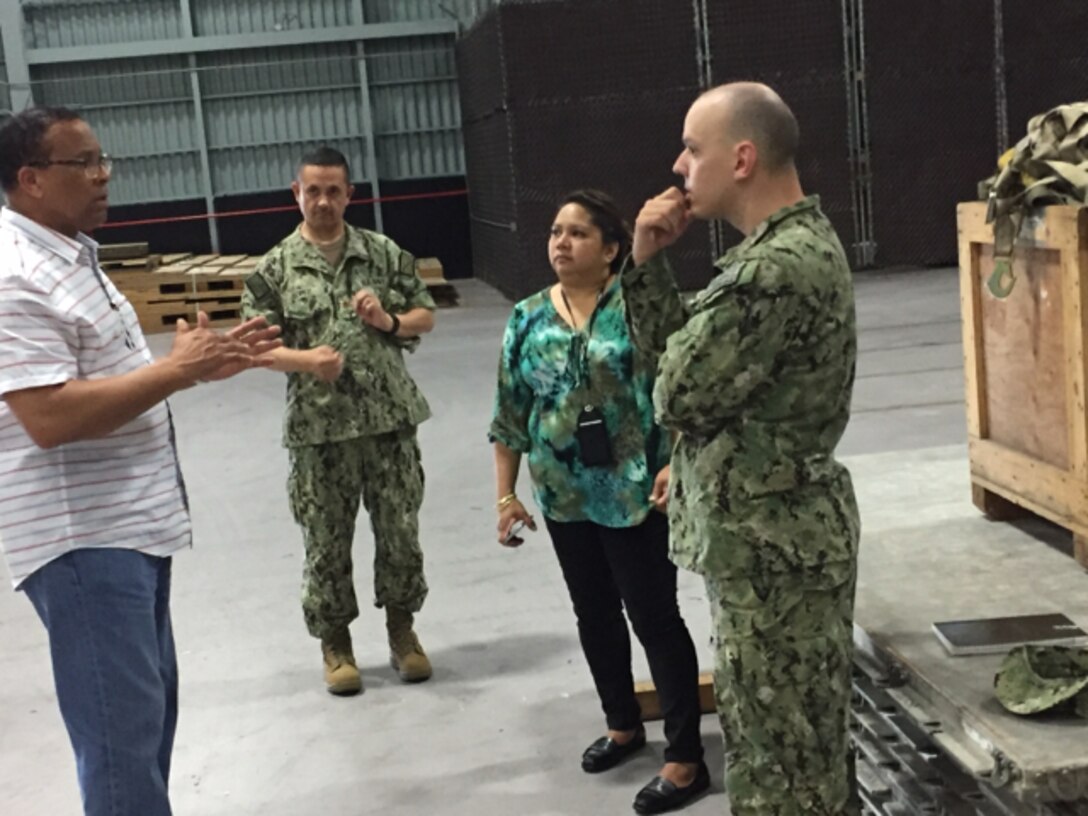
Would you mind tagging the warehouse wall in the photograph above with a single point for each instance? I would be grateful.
(901, 113)
(5, 91)
(550, 106)
(207, 105)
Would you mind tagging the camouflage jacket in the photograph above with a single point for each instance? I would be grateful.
(547, 374)
(294, 287)
(755, 375)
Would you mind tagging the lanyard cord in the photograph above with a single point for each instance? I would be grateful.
(582, 338)
(592, 317)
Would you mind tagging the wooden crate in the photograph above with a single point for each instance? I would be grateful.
(1025, 369)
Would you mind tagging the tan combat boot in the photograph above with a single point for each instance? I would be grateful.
(341, 675)
(406, 655)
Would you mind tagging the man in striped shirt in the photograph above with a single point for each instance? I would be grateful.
(92, 504)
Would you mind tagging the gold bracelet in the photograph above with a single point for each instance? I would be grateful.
(507, 500)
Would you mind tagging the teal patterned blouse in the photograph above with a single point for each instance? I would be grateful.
(548, 373)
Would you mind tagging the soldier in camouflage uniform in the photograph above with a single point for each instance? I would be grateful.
(350, 302)
(755, 377)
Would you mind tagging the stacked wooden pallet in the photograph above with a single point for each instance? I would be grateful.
(430, 270)
(164, 288)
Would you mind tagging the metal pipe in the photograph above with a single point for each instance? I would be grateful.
(237, 42)
(11, 32)
(511, 226)
(201, 129)
(1001, 97)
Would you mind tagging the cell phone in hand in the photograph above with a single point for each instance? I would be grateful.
(512, 538)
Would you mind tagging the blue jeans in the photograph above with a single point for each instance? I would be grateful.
(107, 612)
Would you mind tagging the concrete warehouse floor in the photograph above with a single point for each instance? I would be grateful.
(500, 728)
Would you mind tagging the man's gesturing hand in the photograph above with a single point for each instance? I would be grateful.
(200, 353)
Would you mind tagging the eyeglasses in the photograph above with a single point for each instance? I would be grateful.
(92, 167)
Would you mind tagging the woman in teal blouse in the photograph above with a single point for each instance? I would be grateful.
(574, 396)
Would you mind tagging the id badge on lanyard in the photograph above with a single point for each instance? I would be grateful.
(594, 443)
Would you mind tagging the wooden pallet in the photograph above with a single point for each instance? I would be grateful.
(646, 694)
(219, 284)
(211, 264)
(163, 317)
(182, 284)
(444, 294)
(223, 313)
(151, 287)
(122, 252)
(146, 263)
(430, 269)
(1025, 370)
(175, 285)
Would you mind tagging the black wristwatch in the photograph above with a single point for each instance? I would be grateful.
(396, 326)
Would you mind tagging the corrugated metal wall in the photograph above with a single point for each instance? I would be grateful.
(213, 17)
(260, 107)
(143, 113)
(72, 23)
(417, 117)
(5, 90)
(263, 107)
(398, 11)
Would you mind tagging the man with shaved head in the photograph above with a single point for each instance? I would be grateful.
(754, 380)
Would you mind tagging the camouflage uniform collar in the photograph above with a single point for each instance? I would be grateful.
(306, 254)
(357, 246)
(767, 226)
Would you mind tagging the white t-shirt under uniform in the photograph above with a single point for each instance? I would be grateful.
(62, 319)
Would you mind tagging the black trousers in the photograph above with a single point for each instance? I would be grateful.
(607, 570)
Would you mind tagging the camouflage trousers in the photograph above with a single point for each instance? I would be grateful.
(324, 488)
(783, 654)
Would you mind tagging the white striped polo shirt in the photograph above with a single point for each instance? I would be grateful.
(62, 319)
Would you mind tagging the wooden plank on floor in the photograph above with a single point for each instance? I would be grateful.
(646, 694)
(145, 263)
(122, 252)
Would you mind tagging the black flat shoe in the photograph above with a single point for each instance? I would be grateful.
(606, 753)
(661, 795)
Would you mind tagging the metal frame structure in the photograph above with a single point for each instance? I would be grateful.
(861, 176)
(240, 42)
(1000, 89)
(18, 72)
(198, 115)
(201, 135)
(704, 59)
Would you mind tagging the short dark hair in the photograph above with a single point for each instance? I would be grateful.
(605, 215)
(22, 140)
(765, 119)
(325, 156)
